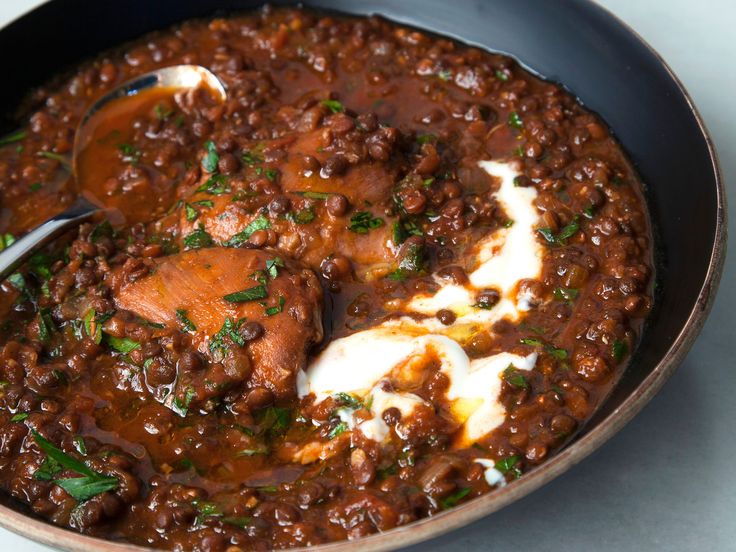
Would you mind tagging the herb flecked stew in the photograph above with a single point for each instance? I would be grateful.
(390, 273)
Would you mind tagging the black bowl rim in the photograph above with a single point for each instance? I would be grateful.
(421, 530)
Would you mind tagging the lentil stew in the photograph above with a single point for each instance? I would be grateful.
(389, 274)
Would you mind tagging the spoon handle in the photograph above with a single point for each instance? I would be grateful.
(20, 250)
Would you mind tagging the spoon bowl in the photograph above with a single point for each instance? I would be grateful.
(83, 209)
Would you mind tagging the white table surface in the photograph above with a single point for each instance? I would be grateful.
(667, 480)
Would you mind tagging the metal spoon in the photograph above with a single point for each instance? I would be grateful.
(177, 76)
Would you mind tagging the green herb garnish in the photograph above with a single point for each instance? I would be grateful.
(565, 294)
(333, 105)
(619, 350)
(515, 121)
(13, 137)
(513, 377)
(509, 465)
(259, 223)
(250, 294)
(215, 185)
(186, 324)
(122, 345)
(455, 498)
(304, 216)
(339, 429)
(130, 153)
(272, 267)
(80, 488)
(198, 239)
(210, 158)
(270, 311)
(364, 221)
(190, 212)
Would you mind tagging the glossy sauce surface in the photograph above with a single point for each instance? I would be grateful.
(255, 359)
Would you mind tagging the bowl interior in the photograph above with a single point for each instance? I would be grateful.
(576, 43)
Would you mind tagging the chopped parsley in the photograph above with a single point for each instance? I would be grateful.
(92, 327)
(304, 216)
(509, 465)
(55, 157)
(274, 421)
(82, 488)
(515, 121)
(364, 221)
(181, 406)
(561, 238)
(190, 212)
(19, 417)
(229, 329)
(454, 498)
(339, 429)
(130, 153)
(6, 240)
(215, 185)
(102, 230)
(250, 294)
(426, 138)
(272, 267)
(565, 294)
(558, 353)
(210, 158)
(444, 75)
(321, 196)
(348, 400)
(198, 239)
(259, 223)
(122, 345)
(271, 174)
(14, 137)
(501, 75)
(402, 229)
(270, 311)
(251, 158)
(512, 376)
(333, 105)
(619, 350)
(186, 324)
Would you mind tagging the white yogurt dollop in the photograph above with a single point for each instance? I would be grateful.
(395, 350)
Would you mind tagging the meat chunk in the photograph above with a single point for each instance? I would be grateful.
(242, 306)
(306, 230)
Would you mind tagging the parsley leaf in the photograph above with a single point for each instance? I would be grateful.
(250, 294)
(513, 377)
(333, 105)
(80, 488)
(12, 138)
(198, 239)
(272, 267)
(258, 223)
(364, 221)
(211, 158)
(455, 498)
(215, 185)
(339, 429)
(515, 121)
(619, 350)
(270, 311)
(186, 324)
(190, 212)
(304, 216)
(122, 344)
(509, 465)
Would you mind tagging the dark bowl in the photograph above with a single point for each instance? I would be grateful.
(601, 60)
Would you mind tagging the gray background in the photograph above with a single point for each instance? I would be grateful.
(667, 480)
